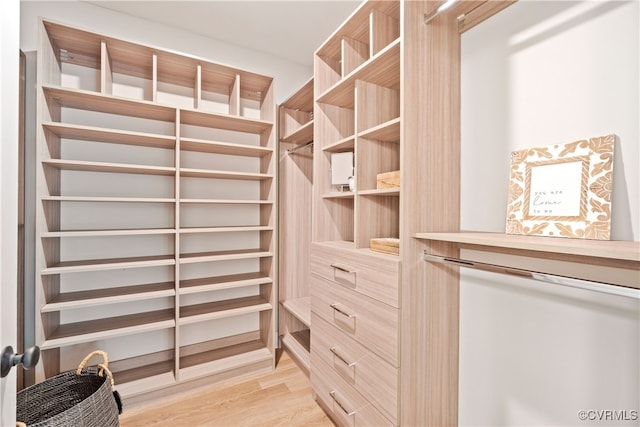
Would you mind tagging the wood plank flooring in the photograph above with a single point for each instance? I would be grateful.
(278, 398)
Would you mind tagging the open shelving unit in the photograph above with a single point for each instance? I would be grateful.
(157, 213)
(357, 108)
(296, 118)
(357, 75)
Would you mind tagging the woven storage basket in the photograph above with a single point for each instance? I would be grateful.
(80, 398)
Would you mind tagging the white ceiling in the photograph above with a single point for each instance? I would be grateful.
(292, 30)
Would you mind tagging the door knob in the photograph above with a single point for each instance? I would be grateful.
(28, 359)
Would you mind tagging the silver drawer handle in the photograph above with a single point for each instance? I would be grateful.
(332, 393)
(335, 353)
(341, 311)
(341, 268)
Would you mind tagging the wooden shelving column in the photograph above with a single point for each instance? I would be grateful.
(355, 307)
(157, 213)
(387, 87)
(295, 178)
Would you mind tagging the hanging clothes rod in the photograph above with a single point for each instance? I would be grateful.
(300, 147)
(543, 277)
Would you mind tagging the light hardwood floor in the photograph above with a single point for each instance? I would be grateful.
(278, 398)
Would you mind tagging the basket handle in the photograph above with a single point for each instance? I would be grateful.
(105, 360)
(103, 368)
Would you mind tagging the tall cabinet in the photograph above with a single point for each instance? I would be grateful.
(384, 348)
(156, 213)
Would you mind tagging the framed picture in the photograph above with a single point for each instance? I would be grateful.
(562, 190)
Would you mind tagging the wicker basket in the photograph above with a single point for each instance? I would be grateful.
(82, 398)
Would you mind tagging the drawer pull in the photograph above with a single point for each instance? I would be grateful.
(332, 393)
(335, 353)
(341, 311)
(341, 268)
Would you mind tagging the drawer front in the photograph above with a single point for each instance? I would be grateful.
(370, 322)
(374, 378)
(366, 272)
(347, 407)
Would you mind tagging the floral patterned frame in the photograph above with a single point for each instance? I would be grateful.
(543, 210)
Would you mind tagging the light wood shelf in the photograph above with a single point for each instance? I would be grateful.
(387, 132)
(203, 173)
(237, 357)
(91, 101)
(109, 233)
(226, 202)
(98, 297)
(207, 284)
(302, 135)
(86, 166)
(300, 308)
(296, 116)
(221, 309)
(204, 146)
(608, 249)
(100, 329)
(107, 264)
(223, 121)
(393, 192)
(339, 195)
(93, 199)
(112, 136)
(223, 256)
(299, 344)
(234, 229)
(143, 380)
(346, 144)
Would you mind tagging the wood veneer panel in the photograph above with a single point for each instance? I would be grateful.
(430, 150)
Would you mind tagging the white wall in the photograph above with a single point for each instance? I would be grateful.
(289, 76)
(541, 73)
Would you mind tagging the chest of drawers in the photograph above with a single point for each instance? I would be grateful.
(355, 341)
